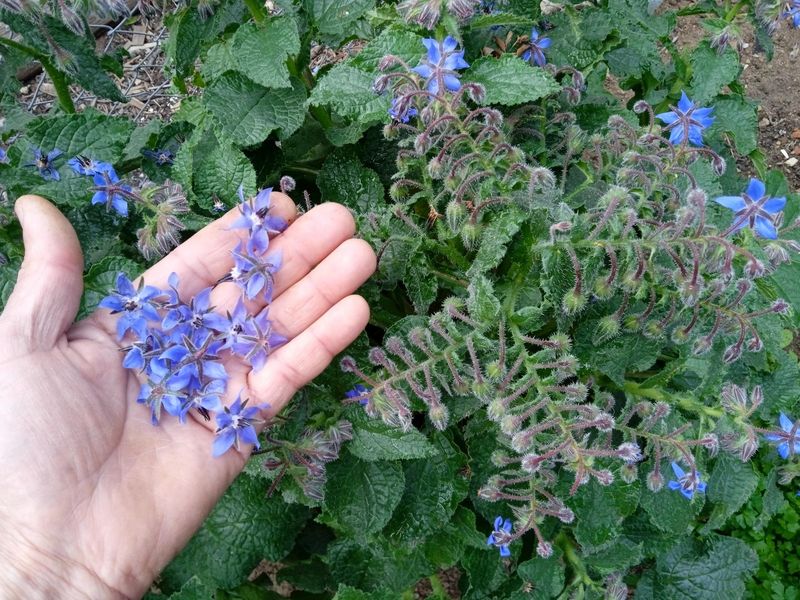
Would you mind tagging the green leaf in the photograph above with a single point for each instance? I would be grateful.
(362, 495)
(708, 570)
(348, 91)
(345, 592)
(618, 555)
(510, 80)
(89, 133)
(420, 282)
(426, 504)
(344, 179)
(494, 240)
(247, 113)
(711, 72)
(484, 570)
(483, 305)
(219, 173)
(731, 484)
(259, 52)
(599, 509)
(448, 545)
(244, 528)
(335, 17)
(669, 510)
(773, 500)
(373, 440)
(396, 41)
(546, 575)
(737, 117)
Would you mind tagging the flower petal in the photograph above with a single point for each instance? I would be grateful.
(756, 189)
(735, 203)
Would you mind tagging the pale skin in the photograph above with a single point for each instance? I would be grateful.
(94, 500)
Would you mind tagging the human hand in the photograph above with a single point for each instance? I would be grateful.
(94, 500)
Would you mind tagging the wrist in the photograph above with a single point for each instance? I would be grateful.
(27, 572)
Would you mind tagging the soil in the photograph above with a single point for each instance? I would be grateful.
(771, 83)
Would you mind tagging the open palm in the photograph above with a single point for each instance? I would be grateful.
(94, 500)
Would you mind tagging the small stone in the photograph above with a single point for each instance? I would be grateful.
(792, 162)
(763, 122)
(796, 134)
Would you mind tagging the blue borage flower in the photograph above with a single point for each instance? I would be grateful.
(84, 165)
(179, 346)
(361, 393)
(160, 157)
(109, 191)
(686, 121)
(754, 209)
(43, 162)
(501, 535)
(687, 483)
(401, 113)
(789, 435)
(136, 306)
(235, 425)
(536, 48)
(792, 13)
(3, 155)
(439, 67)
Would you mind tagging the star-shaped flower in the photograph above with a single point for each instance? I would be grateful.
(401, 114)
(501, 535)
(135, 306)
(687, 483)
(235, 425)
(84, 165)
(536, 48)
(754, 209)
(792, 13)
(160, 157)
(256, 219)
(686, 121)
(788, 436)
(44, 163)
(109, 191)
(439, 67)
(360, 392)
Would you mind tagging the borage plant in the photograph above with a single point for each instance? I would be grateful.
(579, 368)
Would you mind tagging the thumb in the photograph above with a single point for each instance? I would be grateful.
(50, 282)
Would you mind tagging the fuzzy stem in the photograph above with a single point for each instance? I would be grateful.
(57, 77)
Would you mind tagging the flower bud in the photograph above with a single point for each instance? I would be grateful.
(640, 106)
(604, 477)
(630, 452)
(573, 303)
(496, 410)
(754, 268)
(781, 307)
(732, 353)
(607, 328)
(522, 440)
(544, 549)
(439, 416)
(287, 184)
(470, 234)
(499, 458)
(602, 288)
(655, 481)
(531, 463)
(629, 472)
(509, 424)
(455, 214)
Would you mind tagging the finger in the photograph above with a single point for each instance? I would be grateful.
(206, 256)
(50, 282)
(302, 246)
(294, 365)
(340, 274)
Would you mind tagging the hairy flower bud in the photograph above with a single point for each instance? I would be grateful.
(733, 398)
(754, 268)
(509, 424)
(604, 477)
(776, 254)
(732, 353)
(531, 463)
(470, 234)
(496, 410)
(489, 493)
(522, 440)
(781, 306)
(711, 443)
(462, 9)
(629, 472)
(455, 213)
(573, 302)
(607, 328)
(718, 165)
(696, 198)
(630, 452)
(544, 549)
(655, 481)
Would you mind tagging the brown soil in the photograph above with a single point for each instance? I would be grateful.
(773, 84)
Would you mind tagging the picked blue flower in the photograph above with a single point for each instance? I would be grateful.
(788, 436)
(236, 425)
(198, 316)
(258, 340)
(135, 307)
(501, 536)
(197, 358)
(43, 162)
(687, 483)
(536, 47)
(686, 122)
(3, 155)
(754, 209)
(439, 67)
(162, 390)
(256, 219)
(205, 400)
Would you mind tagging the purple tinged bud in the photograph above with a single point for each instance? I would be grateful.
(488, 493)
(754, 268)
(718, 165)
(702, 345)
(630, 452)
(755, 344)
(781, 307)
(531, 463)
(640, 107)
(544, 549)
(439, 416)
(509, 425)
(732, 353)
(348, 364)
(629, 473)
(711, 443)
(604, 422)
(756, 396)
(696, 197)
(521, 441)
(733, 398)
(604, 477)
(565, 515)
(655, 481)
(287, 184)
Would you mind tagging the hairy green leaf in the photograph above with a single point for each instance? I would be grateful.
(510, 80)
